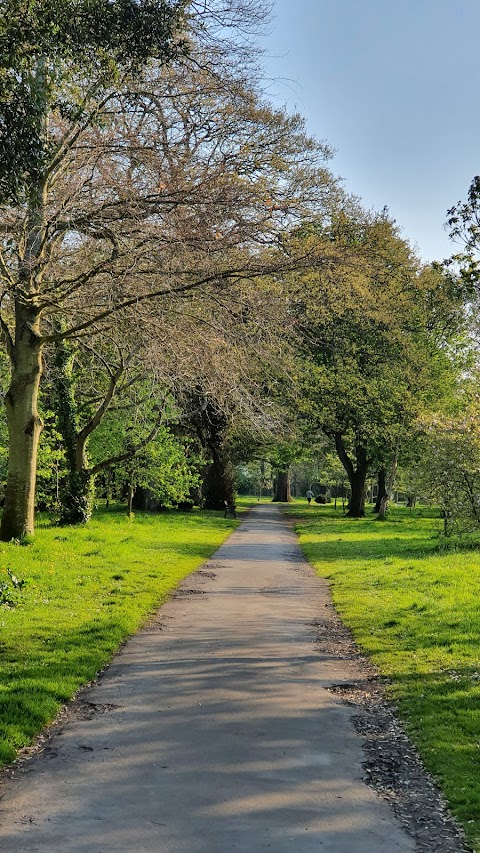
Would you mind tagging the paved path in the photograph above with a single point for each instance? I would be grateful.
(212, 730)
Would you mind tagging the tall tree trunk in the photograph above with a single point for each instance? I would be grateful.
(131, 495)
(77, 491)
(218, 481)
(388, 487)
(357, 476)
(24, 426)
(382, 512)
(25, 352)
(282, 487)
(357, 497)
(381, 488)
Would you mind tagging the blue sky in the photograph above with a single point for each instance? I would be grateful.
(393, 86)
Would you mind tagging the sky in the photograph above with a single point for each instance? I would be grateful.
(393, 86)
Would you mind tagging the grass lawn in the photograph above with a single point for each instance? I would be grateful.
(416, 612)
(87, 589)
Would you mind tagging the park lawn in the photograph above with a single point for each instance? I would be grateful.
(87, 589)
(415, 611)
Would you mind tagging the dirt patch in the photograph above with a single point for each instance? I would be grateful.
(392, 765)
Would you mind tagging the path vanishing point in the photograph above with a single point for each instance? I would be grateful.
(213, 729)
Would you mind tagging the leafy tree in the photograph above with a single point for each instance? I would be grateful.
(448, 472)
(165, 466)
(370, 358)
(254, 478)
(88, 382)
(464, 224)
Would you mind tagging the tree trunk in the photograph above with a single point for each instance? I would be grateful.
(357, 476)
(78, 489)
(24, 427)
(382, 511)
(282, 487)
(388, 486)
(131, 493)
(218, 482)
(357, 497)
(25, 351)
(381, 489)
(77, 497)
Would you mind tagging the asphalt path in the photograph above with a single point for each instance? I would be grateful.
(214, 728)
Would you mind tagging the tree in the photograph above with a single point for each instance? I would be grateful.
(464, 224)
(370, 354)
(165, 467)
(333, 475)
(57, 61)
(146, 187)
(448, 472)
(46, 48)
(123, 384)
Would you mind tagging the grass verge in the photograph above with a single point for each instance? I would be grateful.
(87, 589)
(416, 612)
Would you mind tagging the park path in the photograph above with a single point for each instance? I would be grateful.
(213, 729)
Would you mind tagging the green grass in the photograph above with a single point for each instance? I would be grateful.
(88, 588)
(416, 612)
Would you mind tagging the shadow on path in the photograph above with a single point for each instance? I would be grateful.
(213, 729)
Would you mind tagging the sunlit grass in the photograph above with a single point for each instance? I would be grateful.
(88, 588)
(416, 612)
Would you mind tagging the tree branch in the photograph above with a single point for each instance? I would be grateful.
(6, 338)
(232, 275)
(343, 455)
(97, 417)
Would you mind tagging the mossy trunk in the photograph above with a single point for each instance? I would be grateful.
(25, 352)
(77, 497)
(77, 490)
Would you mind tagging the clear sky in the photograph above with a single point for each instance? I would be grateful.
(394, 87)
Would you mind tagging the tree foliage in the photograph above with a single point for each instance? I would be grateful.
(47, 48)
(372, 337)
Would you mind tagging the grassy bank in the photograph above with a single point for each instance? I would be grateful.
(416, 612)
(85, 590)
